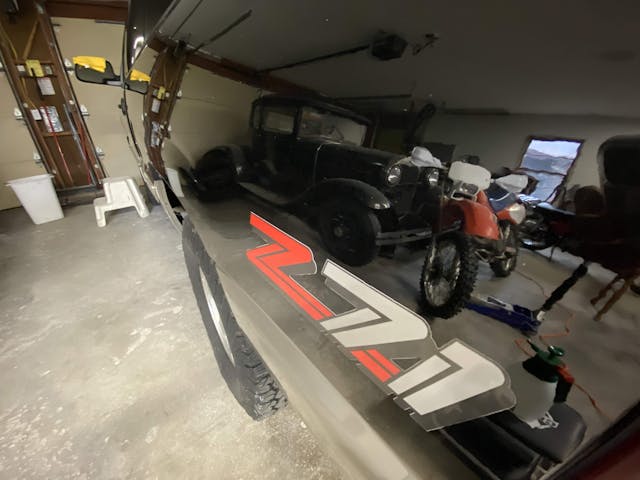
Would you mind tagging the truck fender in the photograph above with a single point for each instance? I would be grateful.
(477, 219)
(361, 192)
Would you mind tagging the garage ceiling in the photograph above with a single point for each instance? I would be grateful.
(570, 57)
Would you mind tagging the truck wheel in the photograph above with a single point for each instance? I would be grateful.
(148, 194)
(349, 231)
(504, 266)
(246, 374)
(448, 279)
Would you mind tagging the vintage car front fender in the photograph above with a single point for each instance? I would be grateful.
(361, 192)
(231, 156)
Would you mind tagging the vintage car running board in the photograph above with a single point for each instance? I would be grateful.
(403, 236)
(268, 195)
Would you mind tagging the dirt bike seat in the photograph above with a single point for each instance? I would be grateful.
(554, 212)
(499, 198)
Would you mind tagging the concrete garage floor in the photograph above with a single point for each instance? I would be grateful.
(105, 366)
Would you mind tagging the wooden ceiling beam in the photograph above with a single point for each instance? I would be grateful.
(242, 73)
(109, 10)
(237, 71)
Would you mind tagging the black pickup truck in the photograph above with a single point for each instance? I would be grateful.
(388, 394)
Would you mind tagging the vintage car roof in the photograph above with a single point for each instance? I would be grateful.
(312, 102)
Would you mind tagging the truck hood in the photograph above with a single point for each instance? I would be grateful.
(357, 154)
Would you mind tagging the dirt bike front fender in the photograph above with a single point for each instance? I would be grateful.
(477, 219)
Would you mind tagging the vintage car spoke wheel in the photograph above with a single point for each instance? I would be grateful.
(242, 368)
(349, 232)
(448, 279)
(342, 232)
(504, 266)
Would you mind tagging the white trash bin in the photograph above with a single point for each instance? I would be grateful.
(38, 197)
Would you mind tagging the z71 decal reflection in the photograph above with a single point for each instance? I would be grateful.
(392, 344)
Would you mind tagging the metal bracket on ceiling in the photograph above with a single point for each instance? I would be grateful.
(429, 40)
(384, 46)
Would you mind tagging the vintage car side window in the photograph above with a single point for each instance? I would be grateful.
(255, 118)
(315, 123)
(279, 120)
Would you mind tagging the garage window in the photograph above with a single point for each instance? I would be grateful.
(279, 119)
(549, 162)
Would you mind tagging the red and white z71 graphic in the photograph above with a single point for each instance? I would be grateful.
(392, 344)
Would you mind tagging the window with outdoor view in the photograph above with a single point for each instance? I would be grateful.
(549, 161)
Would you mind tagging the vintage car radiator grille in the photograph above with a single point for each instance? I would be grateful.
(401, 197)
(410, 175)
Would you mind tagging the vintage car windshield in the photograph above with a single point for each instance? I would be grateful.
(315, 123)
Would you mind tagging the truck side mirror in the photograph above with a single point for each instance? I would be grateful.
(95, 70)
(138, 81)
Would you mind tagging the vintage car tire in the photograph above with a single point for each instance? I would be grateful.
(504, 267)
(242, 368)
(358, 219)
(213, 177)
(465, 282)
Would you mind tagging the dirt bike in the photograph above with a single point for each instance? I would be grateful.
(487, 214)
(547, 226)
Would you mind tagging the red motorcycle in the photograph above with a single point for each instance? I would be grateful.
(487, 214)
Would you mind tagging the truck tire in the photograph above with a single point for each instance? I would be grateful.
(460, 287)
(349, 231)
(504, 266)
(242, 368)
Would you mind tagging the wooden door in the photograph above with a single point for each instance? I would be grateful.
(166, 77)
(40, 83)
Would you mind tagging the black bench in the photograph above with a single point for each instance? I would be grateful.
(503, 446)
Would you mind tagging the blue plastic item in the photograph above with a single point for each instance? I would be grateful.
(518, 317)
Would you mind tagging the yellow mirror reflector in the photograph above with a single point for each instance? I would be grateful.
(94, 63)
(138, 76)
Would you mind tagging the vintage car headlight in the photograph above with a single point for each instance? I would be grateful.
(432, 176)
(394, 174)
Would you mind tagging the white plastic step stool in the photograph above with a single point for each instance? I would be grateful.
(120, 192)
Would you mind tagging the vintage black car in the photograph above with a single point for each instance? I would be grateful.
(307, 154)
